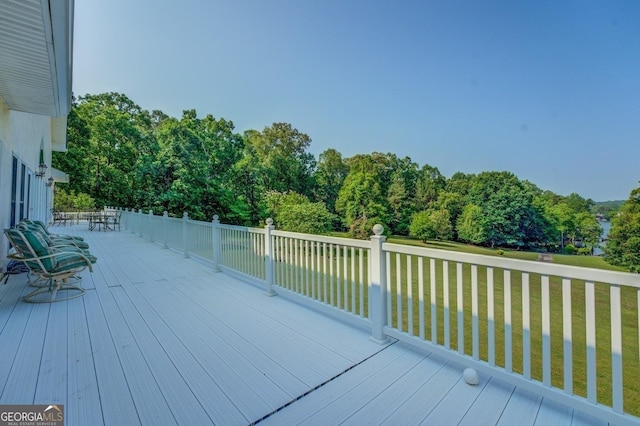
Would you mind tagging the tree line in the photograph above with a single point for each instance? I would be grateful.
(122, 155)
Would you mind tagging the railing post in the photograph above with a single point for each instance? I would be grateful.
(216, 246)
(165, 216)
(150, 227)
(185, 239)
(139, 219)
(268, 258)
(378, 288)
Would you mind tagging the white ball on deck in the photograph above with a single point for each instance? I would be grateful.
(470, 376)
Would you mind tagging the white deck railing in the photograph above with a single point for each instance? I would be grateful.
(566, 333)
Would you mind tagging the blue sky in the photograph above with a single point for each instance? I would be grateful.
(547, 90)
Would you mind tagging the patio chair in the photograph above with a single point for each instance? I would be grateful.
(115, 220)
(56, 267)
(50, 238)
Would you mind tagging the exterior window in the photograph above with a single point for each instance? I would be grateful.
(23, 189)
(28, 194)
(14, 190)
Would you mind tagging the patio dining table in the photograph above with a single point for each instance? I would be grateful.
(100, 220)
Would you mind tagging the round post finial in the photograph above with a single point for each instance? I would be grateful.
(378, 229)
(269, 221)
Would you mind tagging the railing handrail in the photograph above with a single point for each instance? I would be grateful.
(543, 268)
(324, 239)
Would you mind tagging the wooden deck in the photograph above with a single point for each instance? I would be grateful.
(158, 339)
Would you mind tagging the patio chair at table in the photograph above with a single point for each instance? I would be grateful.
(114, 220)
(56, 267)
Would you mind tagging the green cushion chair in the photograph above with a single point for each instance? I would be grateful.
(57, 266)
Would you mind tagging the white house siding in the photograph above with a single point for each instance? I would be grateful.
(23, 135)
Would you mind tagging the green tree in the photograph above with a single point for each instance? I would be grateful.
(194, 162)
(294, 212)
(430, 182)
(329, 177)
(452, 202)
(106, 132)
(71, 202)
(511, 217)
(470, 225)
(400, 195)
(361, 201)
(422, 226)
(431, 224)
(623, 243)
(589, 229)
(285, 163)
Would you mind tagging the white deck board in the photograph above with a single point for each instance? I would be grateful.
(182, 402)
(219, 408)
(22, 379)
(83, 395)
(489, 404)
(552, 413)
(522, 408)
(316, 402)
(222, 336)
(52, 377)
(384, 403)
(162, 339)
(117, 404)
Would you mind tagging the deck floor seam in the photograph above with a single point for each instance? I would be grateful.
(315, 388)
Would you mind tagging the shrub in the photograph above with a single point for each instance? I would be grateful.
(362, 228)
(500, 252)
(584, 251)
(570, 249)
(70, 201)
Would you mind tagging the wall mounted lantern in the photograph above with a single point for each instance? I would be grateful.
(50, 181)
(42, 169)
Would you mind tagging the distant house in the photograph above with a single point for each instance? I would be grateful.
(36, 48)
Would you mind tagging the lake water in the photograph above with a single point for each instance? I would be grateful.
(606, 227)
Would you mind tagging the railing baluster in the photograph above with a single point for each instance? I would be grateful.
(345, 276)
(546, 332)
(475, 325)
(388, 272)
(292, 264)
(445, 301)
(324, 272)
(307, 273)
(296, 264)
(353, 280)
(616, 349)
(526, 328)
(434, 301)
(338, 278)
(508, 347)
(460, 307)
(590, 314)
(319, 270)
(312, 271)
(362, 285)
(331, 277)
(399, 292)
(567, 337)
(409, 296)
(490, 318)
(421, 294)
